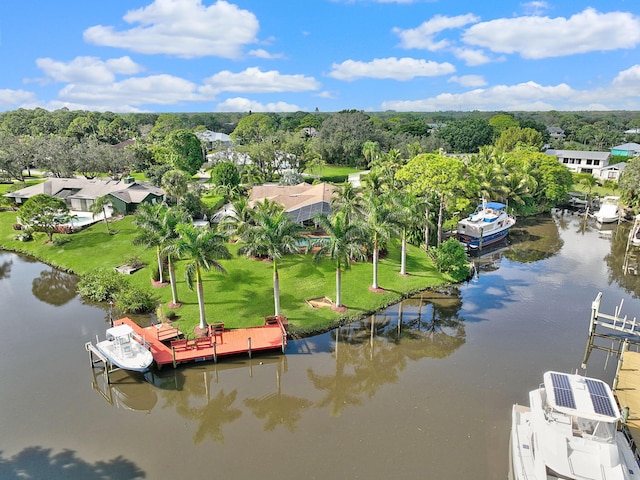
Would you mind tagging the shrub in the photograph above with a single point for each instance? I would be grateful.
(135, 300)
(101, 285)
(450, 258)
(17, 226)
(61, 240)
(171, 315)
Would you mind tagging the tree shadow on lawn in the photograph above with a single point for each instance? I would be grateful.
(237, 279)
(87, 240)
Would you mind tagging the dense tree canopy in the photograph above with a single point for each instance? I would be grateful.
(468, 135)
(43, 213)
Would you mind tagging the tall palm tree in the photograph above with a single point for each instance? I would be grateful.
(169, 221)
(370, 151)
(408, 210)
(272, 235)
(147, 219)
(346, 242)
(100, 206)
(239, 218)
(380, 222)
(202, 247)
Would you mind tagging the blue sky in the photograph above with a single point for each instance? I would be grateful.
(277, 55)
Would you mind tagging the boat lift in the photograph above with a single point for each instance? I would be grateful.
(622, 332)
(96, 358)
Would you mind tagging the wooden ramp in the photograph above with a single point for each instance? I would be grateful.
(627, 391)
(168, 345)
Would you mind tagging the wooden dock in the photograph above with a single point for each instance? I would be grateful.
(627, 392)
(168, 345)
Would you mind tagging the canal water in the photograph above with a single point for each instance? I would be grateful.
(421, 390)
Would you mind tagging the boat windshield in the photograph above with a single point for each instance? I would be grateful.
(597, 430)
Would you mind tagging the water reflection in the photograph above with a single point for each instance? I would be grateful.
(55, 287)
(5, 269)
(40, 462)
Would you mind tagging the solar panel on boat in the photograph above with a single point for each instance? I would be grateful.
(600, 398)
(562, 391)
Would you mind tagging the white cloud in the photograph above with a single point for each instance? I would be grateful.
(628, 81)
(535, 7)
(184, 28)
(543, 37)
(156, 89)
(240, 104)
(261, 53)
(523, 96)
(14, 98)
(423, 37)
(389, 68)
(256, 81)
(470, 81)
(88, 69)
(471, 57)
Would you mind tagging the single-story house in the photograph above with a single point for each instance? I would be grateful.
(81, 193)
(612, 172)
(579, 161)
(626, 150)
(302, 202)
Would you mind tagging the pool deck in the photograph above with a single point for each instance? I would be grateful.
(168, 345)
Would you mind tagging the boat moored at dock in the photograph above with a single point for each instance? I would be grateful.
(489, 224)
(570, 430)
(609, 210)
(125, 349)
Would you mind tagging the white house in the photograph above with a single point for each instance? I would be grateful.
(579, 161)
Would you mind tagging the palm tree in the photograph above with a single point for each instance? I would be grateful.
(239, 219)
(347, 199)
(169, 221)
(202, 248)
(100, 206)
(380, 222)
(147, 219)
(272, 235)
(370, 151)
(409, 210)
(345, 243)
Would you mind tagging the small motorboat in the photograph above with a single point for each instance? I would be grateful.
(571, 430)
(126, 349)
(609, 210)
(489, 224)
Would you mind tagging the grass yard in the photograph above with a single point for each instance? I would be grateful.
(244, 295)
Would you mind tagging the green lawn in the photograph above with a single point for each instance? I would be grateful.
(244, 295)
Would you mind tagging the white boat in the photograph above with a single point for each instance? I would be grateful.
(570, 431)
(125, 349)
(609, 210)
(490, 223)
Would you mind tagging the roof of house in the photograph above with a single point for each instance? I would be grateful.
(85, 188)
(579, 154)
(627, 146)
(616, 166)
(210, 136)
(302, 201)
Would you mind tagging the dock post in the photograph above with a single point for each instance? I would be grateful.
(249, 346)
(284, 341)
(173, 356)
(625, 347)
(215, 353)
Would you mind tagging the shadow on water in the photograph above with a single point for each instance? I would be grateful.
(38, 462)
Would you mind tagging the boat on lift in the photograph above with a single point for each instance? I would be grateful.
(125, 349)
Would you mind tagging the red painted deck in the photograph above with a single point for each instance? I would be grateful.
(222, 341)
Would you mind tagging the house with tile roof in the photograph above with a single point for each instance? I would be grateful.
(302, 202)
(80, 193)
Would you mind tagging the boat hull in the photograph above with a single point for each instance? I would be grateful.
(137, 359)
(477, 242)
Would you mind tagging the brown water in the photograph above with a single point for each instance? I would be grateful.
(421, 390)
